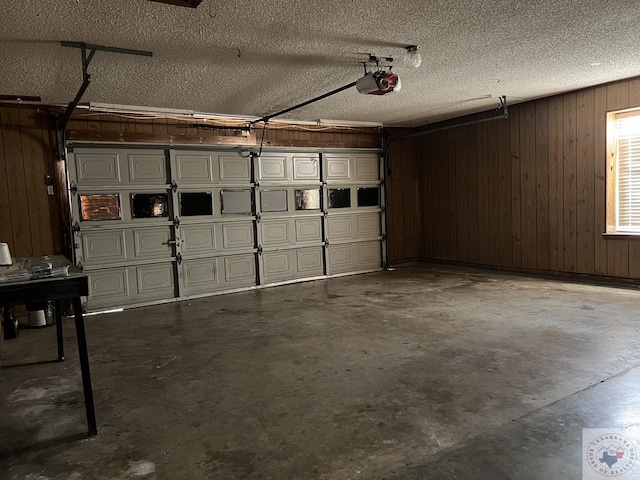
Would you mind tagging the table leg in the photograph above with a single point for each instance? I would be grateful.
(59, 331)
(84, 366)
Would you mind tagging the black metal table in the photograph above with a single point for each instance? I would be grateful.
(56, 288)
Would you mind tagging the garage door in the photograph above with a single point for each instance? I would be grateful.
(153, 225)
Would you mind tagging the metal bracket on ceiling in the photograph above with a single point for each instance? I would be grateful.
(87, 51)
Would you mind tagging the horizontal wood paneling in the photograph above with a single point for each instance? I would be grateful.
(128, 129)
(524, 193)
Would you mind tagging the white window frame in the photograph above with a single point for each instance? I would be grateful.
(623, 172)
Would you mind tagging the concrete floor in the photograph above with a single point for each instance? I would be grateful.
(425, 372)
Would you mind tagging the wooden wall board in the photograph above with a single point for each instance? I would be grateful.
(542, 184)
(585, 181)
(569, 177)
(600, 186)
(556, 183)
(516, 185)
(528, 209)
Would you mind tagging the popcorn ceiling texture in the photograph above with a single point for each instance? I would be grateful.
(290, 51)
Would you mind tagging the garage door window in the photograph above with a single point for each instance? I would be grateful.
(149, 205)
(368, 197)
(308, 199)
(100, 207)
(339, 197)
(195, 203)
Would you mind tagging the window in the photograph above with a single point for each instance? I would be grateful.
(236, 202)
(308, 199)
(149, 205)
(195, 203)
(623, 172)
(274, 200)
(368, 197)
(339, 197)
(100, 207)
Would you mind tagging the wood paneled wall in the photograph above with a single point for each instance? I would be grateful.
(122, 128)
(29, 218)
(527, 193)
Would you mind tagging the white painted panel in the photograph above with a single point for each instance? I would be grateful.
(197, 238)
(367, 167)
(309, 261)
(111, 283)
(193, 168)
(273, 168)
(237, 235)
(276, 263)
(155, 279)
(240, 269)
(103, 247)
(200, 272)
(234, 169)
(369, 254)
(147, 168)
(275, 232)
(340, 256)
(339, 227)
(368, 225)
(308, 229)
(338, 168)
(97, 168)
(152, 242)
(305, 169)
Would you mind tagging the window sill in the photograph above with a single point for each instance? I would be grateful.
(621, 236)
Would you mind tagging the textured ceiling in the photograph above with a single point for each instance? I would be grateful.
(254, 58)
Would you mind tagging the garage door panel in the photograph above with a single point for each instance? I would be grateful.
(97, 168)
(198, 238)
(339, 227)
(367, 167)
(368, 225)
(155, 281)
(103, 247)
(275, 232)
(237, 235)
(340, 258)
(147, 168)
(338, 168)
(152, 243)
(309, 261)
(234, 169)
(369, 254)
(273, 168)
(112, 284)
(305, 168)
(193, 168)
(308, 230)
(240, 270)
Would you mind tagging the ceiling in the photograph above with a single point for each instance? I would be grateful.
(254, 58)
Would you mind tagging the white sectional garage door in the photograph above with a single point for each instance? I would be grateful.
(160, 224)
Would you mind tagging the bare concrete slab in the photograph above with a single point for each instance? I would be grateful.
(366, 377)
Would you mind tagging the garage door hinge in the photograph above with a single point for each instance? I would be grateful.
(259, 249)
(176, 222)
(384, 236)
(179, 258)
(258, 217)
(79, 265)
(326, 242)
(75, 228)
(73, 188)
(325, 213)
(174, 186)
